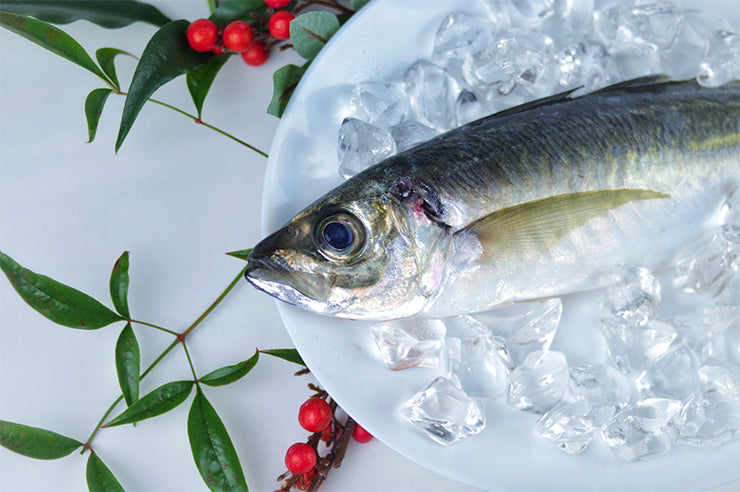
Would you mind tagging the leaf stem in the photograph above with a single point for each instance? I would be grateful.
(154, 326)
(190, 361)
(180, 338)
(215, 303)
(207, 125)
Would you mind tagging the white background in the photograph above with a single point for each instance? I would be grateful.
(177, 197)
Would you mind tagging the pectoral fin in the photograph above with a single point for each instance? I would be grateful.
(531, 228)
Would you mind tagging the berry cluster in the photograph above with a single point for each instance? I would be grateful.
(240, 37)
(306, 469)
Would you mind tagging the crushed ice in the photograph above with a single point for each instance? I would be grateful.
(670, 377)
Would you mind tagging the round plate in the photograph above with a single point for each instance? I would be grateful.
(381, 42)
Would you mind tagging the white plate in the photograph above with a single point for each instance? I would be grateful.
(381, 41)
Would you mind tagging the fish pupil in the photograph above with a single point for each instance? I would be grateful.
(338, 235)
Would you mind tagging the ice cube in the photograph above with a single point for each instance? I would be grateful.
(582, 63)
(723, 379)
(573, 19)
(410, 342)
(636, 347)
(468, 108)
(673, 376)
(410, 133)
(638, 30)
(711, 420)
(647, 428)
(699, 328)
(514, 60)
(722, 61)
(361, 145)
(445, 412)
(729, 218)
(625, 66)
(571, 425)
(536, 329)
(383, 104)
(432, 92)
(706, 266)
(476, 367)
(465, 326)
(599, 383)
(534, 11)
(634, 296)
(539, 382)
(458, 37)
(681, 60)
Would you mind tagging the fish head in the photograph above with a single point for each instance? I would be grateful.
(355, 253)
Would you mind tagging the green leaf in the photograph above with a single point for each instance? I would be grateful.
(213, 451)
(291, 355)
(106, 58)
(166, 56)
(119, 285)
(99, 476)
(60, 303)
(94, 104)
(51, 38)
(229, 374)
(128, 364)
(157, 402)
(105, 13)
(284, 82)
(309, 32)
(199, 81)
(34, 442)
(242, 254)
(232, 10)
(358, 4)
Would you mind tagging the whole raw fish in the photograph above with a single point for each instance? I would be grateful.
(539, 200)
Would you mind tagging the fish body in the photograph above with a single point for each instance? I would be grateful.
(540, 200)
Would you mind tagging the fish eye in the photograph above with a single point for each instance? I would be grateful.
(340, 235)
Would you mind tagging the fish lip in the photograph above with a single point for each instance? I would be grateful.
(267, 275)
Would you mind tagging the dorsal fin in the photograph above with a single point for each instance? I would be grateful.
(640, 82)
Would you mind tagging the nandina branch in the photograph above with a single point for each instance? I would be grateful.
(207, 125)
(179, 339)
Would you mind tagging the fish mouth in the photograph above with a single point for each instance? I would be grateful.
(269, 277)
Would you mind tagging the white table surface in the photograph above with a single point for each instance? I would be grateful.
(177, 197)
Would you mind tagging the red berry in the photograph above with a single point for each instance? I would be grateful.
(300, 458)
(202, 35)
(314, 415)
(277, 4)
(218, 49)
(279, 24)
(256, 54)
(361, 435)
(238, 36)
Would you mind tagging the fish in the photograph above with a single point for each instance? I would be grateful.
(540, 200)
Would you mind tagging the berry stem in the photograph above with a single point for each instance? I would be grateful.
(180, 338)
(207, 125)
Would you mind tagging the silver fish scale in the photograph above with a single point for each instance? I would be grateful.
(601, 141)
(506, 208)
